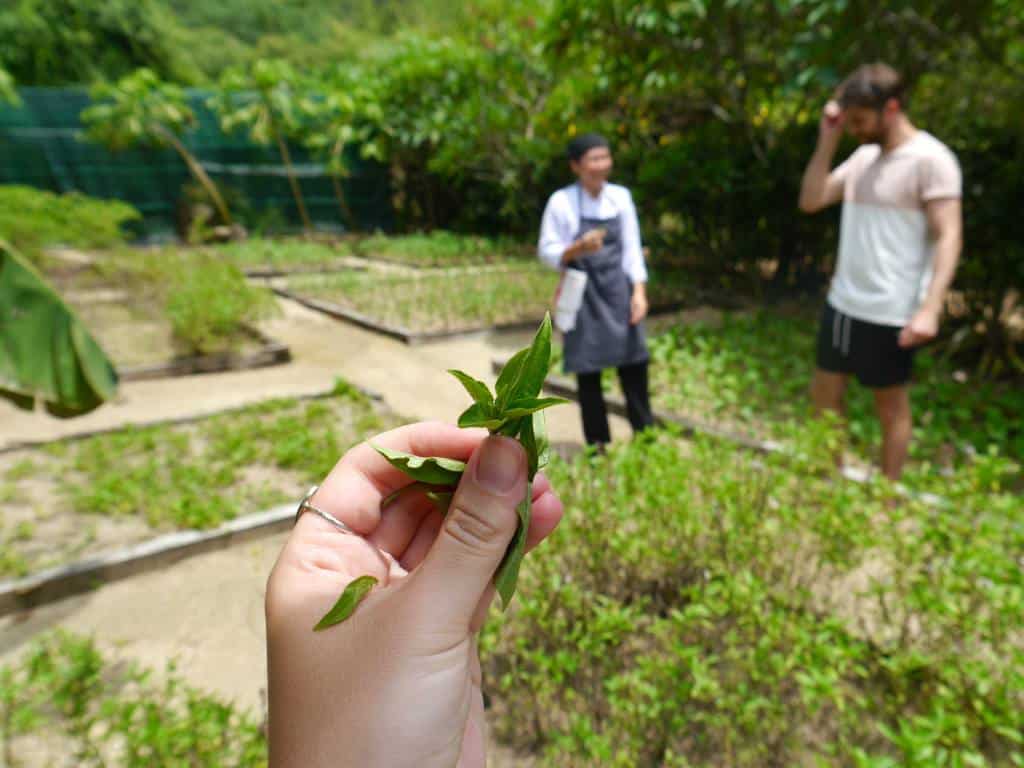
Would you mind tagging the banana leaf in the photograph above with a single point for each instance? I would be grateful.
(45, 350)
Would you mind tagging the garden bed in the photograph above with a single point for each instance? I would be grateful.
(71, 500)
(141, 342)
(431, 306)
(700, 606)
(747, 376)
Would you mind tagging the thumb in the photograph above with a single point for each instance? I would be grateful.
(477, 530)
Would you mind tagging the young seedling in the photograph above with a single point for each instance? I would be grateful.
(515, 409)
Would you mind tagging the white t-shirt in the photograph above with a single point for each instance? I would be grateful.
(885, 250)
(561, 225)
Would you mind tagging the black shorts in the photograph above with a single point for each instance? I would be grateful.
(868, 351)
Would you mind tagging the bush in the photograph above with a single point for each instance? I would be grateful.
(698, 607)
(31, 219)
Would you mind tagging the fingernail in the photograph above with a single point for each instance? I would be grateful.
(499, 465)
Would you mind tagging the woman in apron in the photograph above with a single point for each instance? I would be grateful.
(592, 226)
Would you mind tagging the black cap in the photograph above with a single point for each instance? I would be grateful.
(583, 143)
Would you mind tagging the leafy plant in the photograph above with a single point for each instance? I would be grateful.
(265, 100)
(514, 410)
(31, 219)
(116, 713)
(8, 92)
(141, 110)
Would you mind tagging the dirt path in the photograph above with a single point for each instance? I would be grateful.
(412, 380)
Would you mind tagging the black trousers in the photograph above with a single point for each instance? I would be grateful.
(633, 379)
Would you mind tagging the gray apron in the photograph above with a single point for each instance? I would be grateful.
(603, 337)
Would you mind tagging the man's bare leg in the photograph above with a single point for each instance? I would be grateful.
(828, 393)
(893, 407)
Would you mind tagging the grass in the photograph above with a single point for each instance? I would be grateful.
(699, 608)
(80, 707)
(135, 482)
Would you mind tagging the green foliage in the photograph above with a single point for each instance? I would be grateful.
(109, 713)
(698, 606)
(138, 110)
(752, 372)
(31, 219)
(8, 92)
(68, 42)
(350, 599)
(210, 303)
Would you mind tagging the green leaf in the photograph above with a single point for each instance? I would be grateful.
(354, 594)
(535, 441)
(434, 470)
(479, 391)
(508, 572)
(520, 408)
(509, 377)
(479, 416)
(527, 369)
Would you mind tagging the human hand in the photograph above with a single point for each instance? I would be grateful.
(593, 240)
(638, 306)
(922, 328)
(398, 683)
(830, 129)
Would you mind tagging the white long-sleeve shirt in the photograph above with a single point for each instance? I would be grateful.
(561, 224)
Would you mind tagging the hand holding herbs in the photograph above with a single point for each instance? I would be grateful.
(514, 410)
(393, 686)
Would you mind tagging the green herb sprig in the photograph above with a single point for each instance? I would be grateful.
(515, 409)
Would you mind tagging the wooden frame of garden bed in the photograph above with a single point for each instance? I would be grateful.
(413, 338)
(271, 352)
(75, 578)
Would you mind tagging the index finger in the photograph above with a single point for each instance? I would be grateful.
(354, 489)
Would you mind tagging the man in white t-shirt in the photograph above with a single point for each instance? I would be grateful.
(899, 243)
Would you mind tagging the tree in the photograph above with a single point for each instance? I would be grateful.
(266, 101)
(69, 42)
(141, 110)
(334, 128)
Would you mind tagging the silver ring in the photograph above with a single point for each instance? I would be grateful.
(305, 506)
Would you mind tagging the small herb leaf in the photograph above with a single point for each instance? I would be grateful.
(519, 408)
(479, 416)
(433, 470)
(508, 572)
(508, 379)
(476, 389)
(354, 594)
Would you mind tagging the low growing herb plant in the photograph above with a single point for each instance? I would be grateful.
(515, 409)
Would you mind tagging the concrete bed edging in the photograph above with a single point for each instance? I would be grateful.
(271, 352)
(616, 404)
(76, 578)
